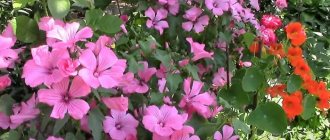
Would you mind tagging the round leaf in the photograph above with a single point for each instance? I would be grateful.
(59, 8)
(294, 83)
(110, 24)
(268, 117)
(252, 79)
(26, 29)
(309, 107)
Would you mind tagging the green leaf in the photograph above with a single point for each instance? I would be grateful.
(110, 24)
(173, 81)
(6, 104)
(17, 4)
(268, 117)
(133, 66)
(82, 3)
(11, 135)
(235, 96)
(95, 120)
(163, 57)
(294, 83)
(27, 29)
(70, 136)
(309, 104)
(252, 80)
(248, 38)
(156, 98)
(239, 125)
(59, 124)
(206, 130)
(93, 17)
(193, 71)
(102, 4)
(59, 8)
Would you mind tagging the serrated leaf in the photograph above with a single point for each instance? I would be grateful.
(11, 135)
(268, 117)
(59, 124)
(309, 104)
(59, 8)
(239, 125)
(27, 29)
(252, 80)
(95, 121)
(70, 136)
(173, 81)
(294, 83)
(109, 24)
(193, 71)
(163, 57)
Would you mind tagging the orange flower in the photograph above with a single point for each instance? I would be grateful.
(302, 69)
(276, 90)
(292, 104)
(294, 53)
(277, 50)
(323, 101)
(295, 32)
(254, 47)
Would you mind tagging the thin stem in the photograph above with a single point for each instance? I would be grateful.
(118, 7)
(227, 61)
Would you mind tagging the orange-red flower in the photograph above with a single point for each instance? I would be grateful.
(277, 50)
(302, 69)
(294, 53)
(254, 47)
(296, 33)
(292, 104)
(323, 100)
(276, 90)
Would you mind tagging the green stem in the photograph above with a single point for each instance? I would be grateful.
(44, 5)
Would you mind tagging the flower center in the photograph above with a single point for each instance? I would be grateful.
(66, 98)
(161, 124)
(118, 126)
(96, 74)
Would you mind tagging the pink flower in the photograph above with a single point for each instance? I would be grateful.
(268, 36)
(7, 40)
(271, 21)
(227, 134)
(104, 69)
(163, 121)
(161, 72)
(48, 23)
(103, 41)
(84, 124)
(156, 19)
(281, 4)
(195, 20)
(68, 35)
(171, 5)
(255, 4)
(186, 133)
(116, 103)
(65, 99)
(198, 50)
(54, 138)
(220, 78)
(145, 74)
(5, 82)
(68, 67)
(26, 111)
(128, 83)
(120, 125)
(217, 6)
(193, 101)
(162, 85)
(43, 67)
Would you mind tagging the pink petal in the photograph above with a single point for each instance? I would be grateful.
(106, 59)
(88, 60)
(4, 121)
(84, 33)
(161, 14)
(117, 103)
(255, 4)
(150, 13)
(163, 131)
(62, 87)
(196, 88)
(34, 75)
(59, 110)
(217, 136)
(150, 122)
(89, 78)
(78, 108)
(187, 26)
(49, 96)
(227, 131)
(79, 88)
